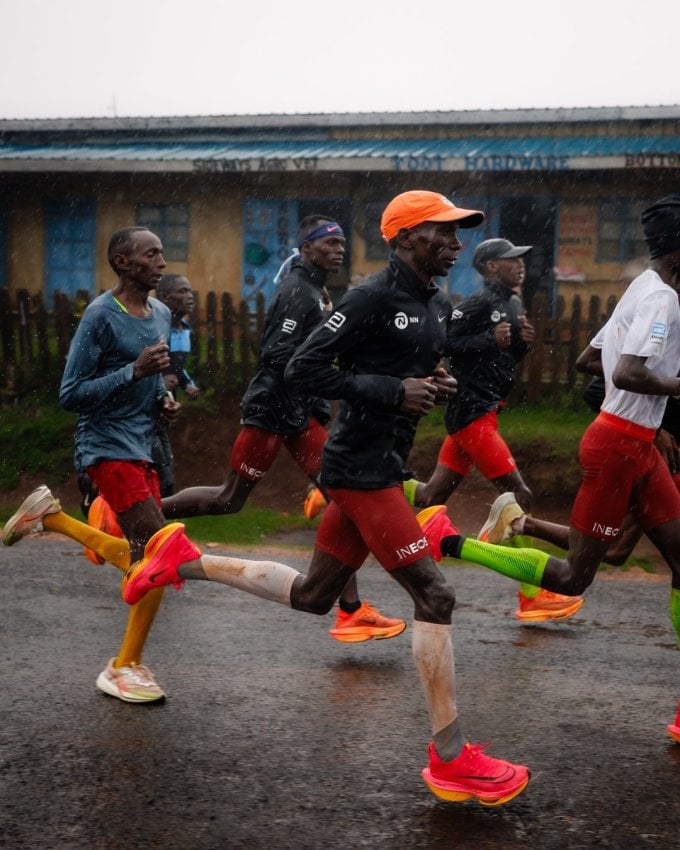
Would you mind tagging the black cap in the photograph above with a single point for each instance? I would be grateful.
(497, 249)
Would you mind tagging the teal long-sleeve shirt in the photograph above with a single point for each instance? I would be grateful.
(116, 414)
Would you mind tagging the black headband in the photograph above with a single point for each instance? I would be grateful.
(661, 226)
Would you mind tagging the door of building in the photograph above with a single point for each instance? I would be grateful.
(69, 248)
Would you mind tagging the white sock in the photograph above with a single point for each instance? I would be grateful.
(433, 656)
(265, 579)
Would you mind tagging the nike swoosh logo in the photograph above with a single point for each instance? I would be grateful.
(441, 318)
(331, 229)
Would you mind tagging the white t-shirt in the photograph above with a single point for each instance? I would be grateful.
(645, 323)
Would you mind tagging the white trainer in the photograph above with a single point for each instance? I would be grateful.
(28, 519)
(498, 526)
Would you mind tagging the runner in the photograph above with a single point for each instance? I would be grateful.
(378, 352)
(274, 416)
(621, 466)
(490, 335)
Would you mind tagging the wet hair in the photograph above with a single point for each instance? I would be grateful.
(309, 223)
(122, 242)
(167, 283)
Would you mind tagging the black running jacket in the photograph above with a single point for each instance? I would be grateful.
(295, 311)
(389, 327)
(485, 372)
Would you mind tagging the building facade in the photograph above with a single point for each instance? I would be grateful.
(225, 193)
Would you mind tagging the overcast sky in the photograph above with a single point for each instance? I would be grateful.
(85, 58)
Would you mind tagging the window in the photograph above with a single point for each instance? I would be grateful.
(170, 222)
(619, 234)
(368, 225)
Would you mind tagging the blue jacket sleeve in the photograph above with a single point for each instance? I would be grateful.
(83, 389)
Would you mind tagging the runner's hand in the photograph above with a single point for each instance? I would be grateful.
(446, 385)
(419, 396)
(152, 360)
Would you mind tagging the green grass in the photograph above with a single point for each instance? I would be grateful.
(249, 527)
(36, 441)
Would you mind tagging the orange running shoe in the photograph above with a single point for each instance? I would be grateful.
(674, 728)
(314, 503)
(164, 554)
(436, 525)
(364, 624)
(474, 775)
(547, 605)
(101, 516)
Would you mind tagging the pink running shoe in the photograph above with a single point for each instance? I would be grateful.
(473, 775)
(164, 554)
(436, 525)
(674, 728)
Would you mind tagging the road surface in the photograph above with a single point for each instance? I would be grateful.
(275, 736)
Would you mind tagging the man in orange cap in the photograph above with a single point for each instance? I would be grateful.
(378, 353)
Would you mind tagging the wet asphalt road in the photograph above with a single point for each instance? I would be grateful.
(275, 736)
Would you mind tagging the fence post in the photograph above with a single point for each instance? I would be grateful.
(536, 357)
(211, 328)
(24, 323)
(63, 324)
(42, 334)
(244, 341)
(8, 351)
(228, 336)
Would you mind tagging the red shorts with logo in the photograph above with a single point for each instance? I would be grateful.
(382, 522)
(622, 469)
(256, 449)
(478, 444)
(125, 483)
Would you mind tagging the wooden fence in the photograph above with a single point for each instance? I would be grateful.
(34, 343)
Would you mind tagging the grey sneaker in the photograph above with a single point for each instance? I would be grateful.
(28, 519)
(135, 683)
(498, 526)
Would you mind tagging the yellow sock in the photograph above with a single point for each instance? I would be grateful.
(116, 550)
(138, 627)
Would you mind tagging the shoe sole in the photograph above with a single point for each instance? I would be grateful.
(14, 522)
(494, 517)
(106, 686)
(155, 549)
(542, 616)
(359, 634)
(451, 796)
(674, 732)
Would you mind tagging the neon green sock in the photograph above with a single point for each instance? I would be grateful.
(675, 612)
(519, 541)
(524, 565)
(410, 490)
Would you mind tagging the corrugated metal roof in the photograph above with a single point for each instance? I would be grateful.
(460, 117)
(583, 146)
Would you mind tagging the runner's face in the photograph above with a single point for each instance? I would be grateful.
(144, 265)
(511, 273)
(180, 299)
(435, 248)
(327, 253)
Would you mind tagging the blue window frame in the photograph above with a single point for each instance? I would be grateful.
(619, 232)
(170, 222)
